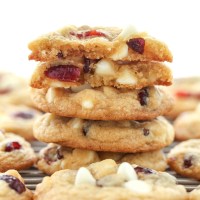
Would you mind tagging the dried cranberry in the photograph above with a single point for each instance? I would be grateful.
(68, 73)
(85, 34)
(23, 115)
(5, 91)
(86, 67)
(60, 54)
(144, 170)
(14, 183)
(146, 131)
(143, 95)
(137, 44)
(53, 154)
(11, 146)
(187, 162)
(184, 94)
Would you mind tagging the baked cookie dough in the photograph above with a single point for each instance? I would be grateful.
(114, 136)
(18, 120)
(185, 158)
(99, 42)
(15, 153)
(104, 72)
(107, 180)
(54, 157)
(195, 194)
(103, 103)
(12, 187)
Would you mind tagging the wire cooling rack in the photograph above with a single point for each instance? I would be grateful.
(33, 176)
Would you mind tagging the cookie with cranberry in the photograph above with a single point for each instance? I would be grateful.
(185, 158)
(12, 187)
(102, 72)
(114, 136)
(18, 119)
(15, 152)
(186, 92)
(54, 157)
(99, 42)
(103, 103)
(187, 125)
(107, 180)
(195, 194)
(14, 89)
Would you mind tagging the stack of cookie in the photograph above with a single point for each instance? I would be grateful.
(98, 86)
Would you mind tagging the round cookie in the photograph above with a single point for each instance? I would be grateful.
(15, 152)
(107, 180)
(14, 90)
(187, 125)
(195, 194)
(18, 119)
(104, 103)
(185, 158)
(186, 92)
(102, 72)
(114, 136)
(99, 42)
(54, 157)
(12, 187)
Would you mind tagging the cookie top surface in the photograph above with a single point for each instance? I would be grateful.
(18, 119)
(12, 187)
(103, 103)
(104, 72)
(15, 152)
(185, 158)
(99, 42)
(107, 180)
(54, 157)
(114, 136)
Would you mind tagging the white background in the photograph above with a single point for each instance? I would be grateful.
(177, 22)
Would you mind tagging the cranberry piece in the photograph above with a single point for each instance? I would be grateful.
(11, 146)
(60, 54)
(68, 73)
(91, 33)
(5, 91)
(14, 183)
(137, 44)
(144, 170)
(183, 94)
(146, 131)
(143, 95)
(53, 154)
(23, 115)
(187, 163)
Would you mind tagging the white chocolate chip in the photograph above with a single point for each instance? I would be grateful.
(126, 78)
(2, 137)
(127, 33)
(138, 186)
(80, 88)
(76, 123)
(87, 104)
(126, 170)
(104, 67)
(121, 52)
(84, 176)
(57, 84)
(50, 95)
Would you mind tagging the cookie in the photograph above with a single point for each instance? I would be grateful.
(99, 42)
(114, 136)
(14, 89)
(12, 187)
(18, 119)
(195, 194)
(186, 92)
(185, 158)
(104, 103)
(15, 152)
(107, 180)
(187, 125)
(54, 157)
(102, 72)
